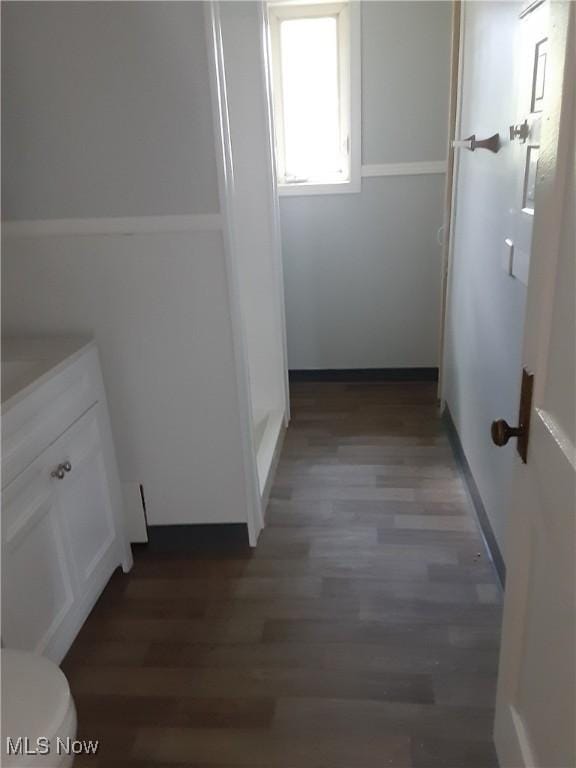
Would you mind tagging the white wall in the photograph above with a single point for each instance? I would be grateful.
(158, 307)
(362, 271)
(107, 113)
(485, 312)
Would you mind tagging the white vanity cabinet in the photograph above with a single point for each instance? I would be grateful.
(62, 523)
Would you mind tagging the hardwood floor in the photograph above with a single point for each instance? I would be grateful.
(363, 631)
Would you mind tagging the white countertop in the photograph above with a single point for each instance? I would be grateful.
(28, 361)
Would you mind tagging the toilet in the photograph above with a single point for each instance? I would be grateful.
(38, 707)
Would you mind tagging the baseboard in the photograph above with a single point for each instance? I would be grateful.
(203, 539)
(483, 520)
(365, 374)
(511, 740)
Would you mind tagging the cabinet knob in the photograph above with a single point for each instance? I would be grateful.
(61, 470)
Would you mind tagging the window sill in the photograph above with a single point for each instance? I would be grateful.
(333, 188)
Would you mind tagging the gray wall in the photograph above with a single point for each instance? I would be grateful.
(405, 80)
(362, 271)
(485, 312)
(362, 275)
(105, 110)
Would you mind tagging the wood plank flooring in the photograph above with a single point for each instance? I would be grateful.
(363, 631)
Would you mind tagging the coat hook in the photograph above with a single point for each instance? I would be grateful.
(472, 143)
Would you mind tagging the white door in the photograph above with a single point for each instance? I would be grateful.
(535, 710)
(84, 503)
(37, 583)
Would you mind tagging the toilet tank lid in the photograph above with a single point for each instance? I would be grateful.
(35, 695)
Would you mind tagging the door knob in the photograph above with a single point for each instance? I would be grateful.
(502, 432)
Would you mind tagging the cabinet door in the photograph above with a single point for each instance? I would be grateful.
(84, 503)
(37, 586)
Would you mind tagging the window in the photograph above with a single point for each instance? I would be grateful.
(316, 93)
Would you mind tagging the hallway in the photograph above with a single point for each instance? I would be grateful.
(362, 632)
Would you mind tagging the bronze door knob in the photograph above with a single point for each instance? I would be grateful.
(502, 432)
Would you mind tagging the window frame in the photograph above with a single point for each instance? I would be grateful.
(348, 15)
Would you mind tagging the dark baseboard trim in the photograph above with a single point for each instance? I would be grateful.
(365, 374)
(487, 532)
(202, 540)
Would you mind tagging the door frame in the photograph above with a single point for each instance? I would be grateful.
(252, 498)
(274, 202)
(451, 182)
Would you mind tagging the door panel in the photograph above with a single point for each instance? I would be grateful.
(84, 498)
(37, 588)
(531, 81)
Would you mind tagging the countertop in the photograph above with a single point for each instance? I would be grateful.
(28, 361)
